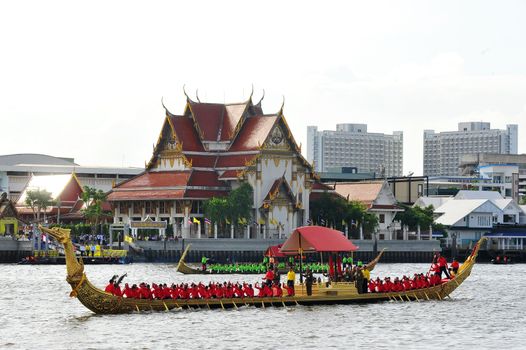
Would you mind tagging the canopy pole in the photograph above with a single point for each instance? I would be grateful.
(301, 259)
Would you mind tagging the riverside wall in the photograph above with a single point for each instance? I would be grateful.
(12, 251)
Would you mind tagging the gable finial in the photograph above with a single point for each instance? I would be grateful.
(282, 105)
(251, 92)
(197, 95)
(262, 97)
(184, 90)
(165, 108)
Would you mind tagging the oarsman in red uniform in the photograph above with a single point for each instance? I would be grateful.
(388, 285)
(117, 290)
(260, 289)
(238, 291)
(269, 277)
(454, 266)
(109, 287)
(248, 290)
(372, 286)
(442, 263)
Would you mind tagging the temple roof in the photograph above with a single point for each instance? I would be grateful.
(208, 144)
(254, 133)
(217, 122)
(167, 185)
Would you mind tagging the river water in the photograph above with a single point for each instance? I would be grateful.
(486, 312)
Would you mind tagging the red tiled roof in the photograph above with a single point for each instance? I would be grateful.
(157, 179)
(231, 118)
(208, 116)
(234, 160)
(205, 178)
(186, 133)
(204, 193)
(229, 174)
(202, 161)
(253, 133)
(145, 194)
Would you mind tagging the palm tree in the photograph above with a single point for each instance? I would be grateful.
(93, 212)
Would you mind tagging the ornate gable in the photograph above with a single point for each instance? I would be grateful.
(7, 208)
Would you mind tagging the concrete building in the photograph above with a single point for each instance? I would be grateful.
(17, 169)
(505, 172)
(350, 145)
(442, 151)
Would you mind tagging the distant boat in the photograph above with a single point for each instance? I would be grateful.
(101, 302)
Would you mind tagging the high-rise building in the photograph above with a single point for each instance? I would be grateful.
(350, 145)
(442, 151)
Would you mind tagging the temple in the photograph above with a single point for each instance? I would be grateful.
(208, 151)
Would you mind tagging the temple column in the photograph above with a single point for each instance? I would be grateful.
(418, 232)
(264, 231)
(430, 232)
(199, 230)
(231, 231)
(215, 230)
(185, 227)
(361, 232)
(347, 231)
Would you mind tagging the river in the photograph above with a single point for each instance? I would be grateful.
(486, 312)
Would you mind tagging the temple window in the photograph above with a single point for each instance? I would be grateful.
(163, 207)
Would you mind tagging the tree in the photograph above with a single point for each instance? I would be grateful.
(93, 212)
(334, 211)
(240, 202)
(237, 205)
(415, 216)
(38, 200)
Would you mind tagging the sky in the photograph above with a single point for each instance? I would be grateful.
(85, 79)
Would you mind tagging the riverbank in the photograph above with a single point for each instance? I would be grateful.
(224, 250)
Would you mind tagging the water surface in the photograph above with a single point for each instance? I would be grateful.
(485, 312)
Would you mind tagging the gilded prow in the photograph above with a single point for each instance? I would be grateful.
(74, 266)
(370, 266)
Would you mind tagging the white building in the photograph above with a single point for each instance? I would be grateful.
(350, 145)
(442, 151)
(17, 169)
(471, 214)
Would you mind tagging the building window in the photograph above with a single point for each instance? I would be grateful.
(148, 207)
(137, 208)
(382, 218)
(162, 208)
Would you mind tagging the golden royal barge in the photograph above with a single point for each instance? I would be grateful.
(101, 302)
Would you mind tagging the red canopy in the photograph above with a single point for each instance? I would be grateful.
(317, 239)
(274, 251)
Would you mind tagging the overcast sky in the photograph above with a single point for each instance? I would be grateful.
(85, 80)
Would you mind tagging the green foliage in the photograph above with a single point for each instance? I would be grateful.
(93, 211)
(38, 200)
(336, 212)
(415, 216)
(523, 200)
(238, 205)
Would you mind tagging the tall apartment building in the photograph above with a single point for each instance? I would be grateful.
(442, 151)
(352, 146)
